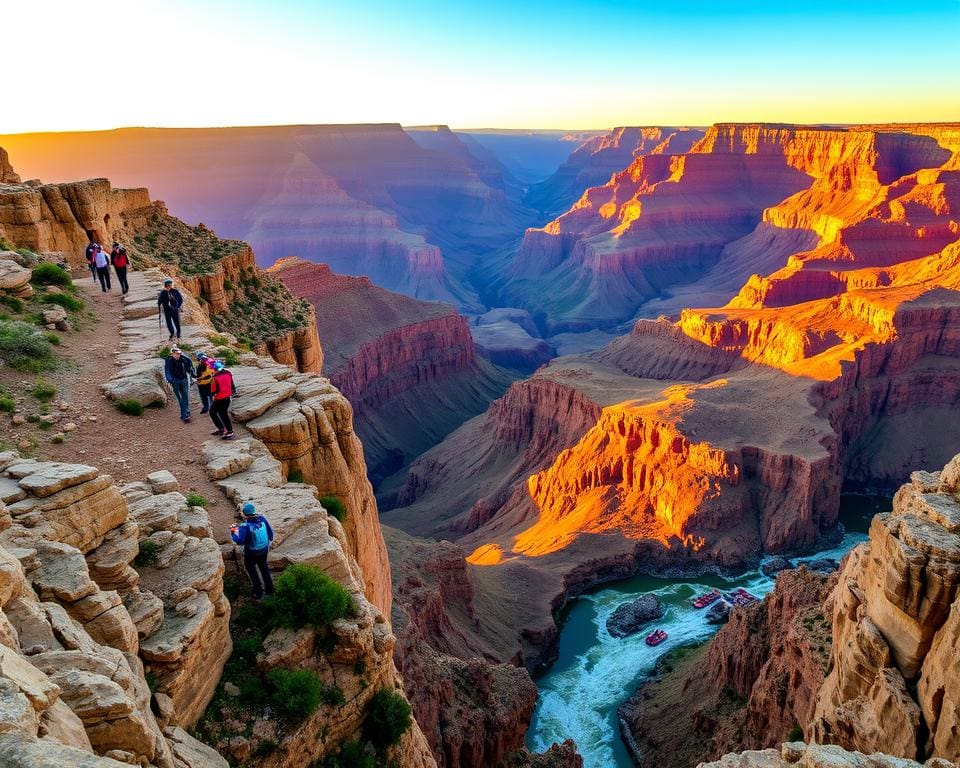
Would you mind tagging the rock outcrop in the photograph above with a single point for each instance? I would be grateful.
(7, 174)
(815, 756)
(630, 617)
(299, 422)
(408, 367)
(896, 613)
(77, 623)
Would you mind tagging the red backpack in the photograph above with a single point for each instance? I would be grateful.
(120, 260)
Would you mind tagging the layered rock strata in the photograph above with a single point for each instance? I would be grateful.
(298, 422)
(815, 756)
(407, 367)
(77, 625)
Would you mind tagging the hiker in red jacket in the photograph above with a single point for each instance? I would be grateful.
(120, 261)
(222, 389)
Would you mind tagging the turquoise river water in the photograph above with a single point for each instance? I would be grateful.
(595, 672)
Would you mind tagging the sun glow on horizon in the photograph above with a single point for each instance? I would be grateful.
(570, 65)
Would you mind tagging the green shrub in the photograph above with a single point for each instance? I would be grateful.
(265, 748)
(228, 285)
(304, 595)
(148, 553)
(44, 391)
(294, 475)
(64, 300)
(796, 733)
(388, 718)
(59, 438)
(51, 274)
(351, 755)
(296, 692)
(196, 500)
(334, 507)
(129, 407)
(219, 341)
(163, 352)
(24, 348)
(247, 648)
(151, 680)
(229, 356)
(53, 338)
(332, 696)
(13, 303)
(7, 403)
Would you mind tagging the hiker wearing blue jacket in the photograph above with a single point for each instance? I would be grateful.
(254, 534)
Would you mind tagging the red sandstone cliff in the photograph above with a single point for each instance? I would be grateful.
(407, 366)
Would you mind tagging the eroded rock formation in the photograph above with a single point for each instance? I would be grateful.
(408, 367)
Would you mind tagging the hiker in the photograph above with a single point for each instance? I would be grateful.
(91, 250)
(222, 389)
(254, 534)
(120, 261)
(102, 262)
(178, 370)
(171, 300)
(204, 378)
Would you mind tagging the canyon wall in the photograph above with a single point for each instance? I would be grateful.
(408, 367)
(729, 432)
(366, 199)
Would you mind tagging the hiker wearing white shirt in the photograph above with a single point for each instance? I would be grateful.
(101, 261)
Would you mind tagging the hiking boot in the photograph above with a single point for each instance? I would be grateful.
(228, 436)
(219, 433)
(203, 411)
(185, 419)
(171, 337)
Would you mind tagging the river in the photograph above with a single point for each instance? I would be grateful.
(595, 673)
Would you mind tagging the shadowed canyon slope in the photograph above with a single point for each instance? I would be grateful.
(366, 199)
(408, 367)
(730, 432)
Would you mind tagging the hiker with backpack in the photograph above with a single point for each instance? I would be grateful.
(254, 534)
(102, 263)
(205, 374)
(89, 253)
(178, 371)
(120, 261)
(171, 300)
(222, 389)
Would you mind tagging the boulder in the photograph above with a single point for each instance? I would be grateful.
(630, 617)
(13, 277)
(774, 565)
(162, 481)
(718, 613)
(190, 753)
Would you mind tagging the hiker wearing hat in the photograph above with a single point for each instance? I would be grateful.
(222, 389)
(254, 534)
(89, 253)
(120, 261)
(171, 300)
(178, 371)
(204, 380)
(102, 262)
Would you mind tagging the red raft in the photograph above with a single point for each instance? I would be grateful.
(656, 637)
(707, 599)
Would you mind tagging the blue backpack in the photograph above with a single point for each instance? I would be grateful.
(257, 537)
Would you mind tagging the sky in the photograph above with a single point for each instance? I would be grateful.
(73, 65)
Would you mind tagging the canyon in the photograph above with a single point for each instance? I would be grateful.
(408, 367)
(786, 300)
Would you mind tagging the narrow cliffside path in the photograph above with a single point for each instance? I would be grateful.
(128, 447)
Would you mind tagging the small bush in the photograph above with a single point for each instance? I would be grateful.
(59, 438)
(334, 507)
(7, 403)
(388, 718)
(305, 595)
(351, 755)
(148, 553)
(51, 274)
(247, 648)
(228, 285)
(229, 356)
(196, 500)
(64, 300)
(151, 680)
(28, 257)
(13, 303)
(219, 341)
(296, 692)
(44, 391)
(294, 475)
(796, 733)
(53, 338)
(129, 407)
(163, 352)
(24, 348)
(265, 748)
(332, 696)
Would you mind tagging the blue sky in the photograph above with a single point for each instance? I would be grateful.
(495, 63)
